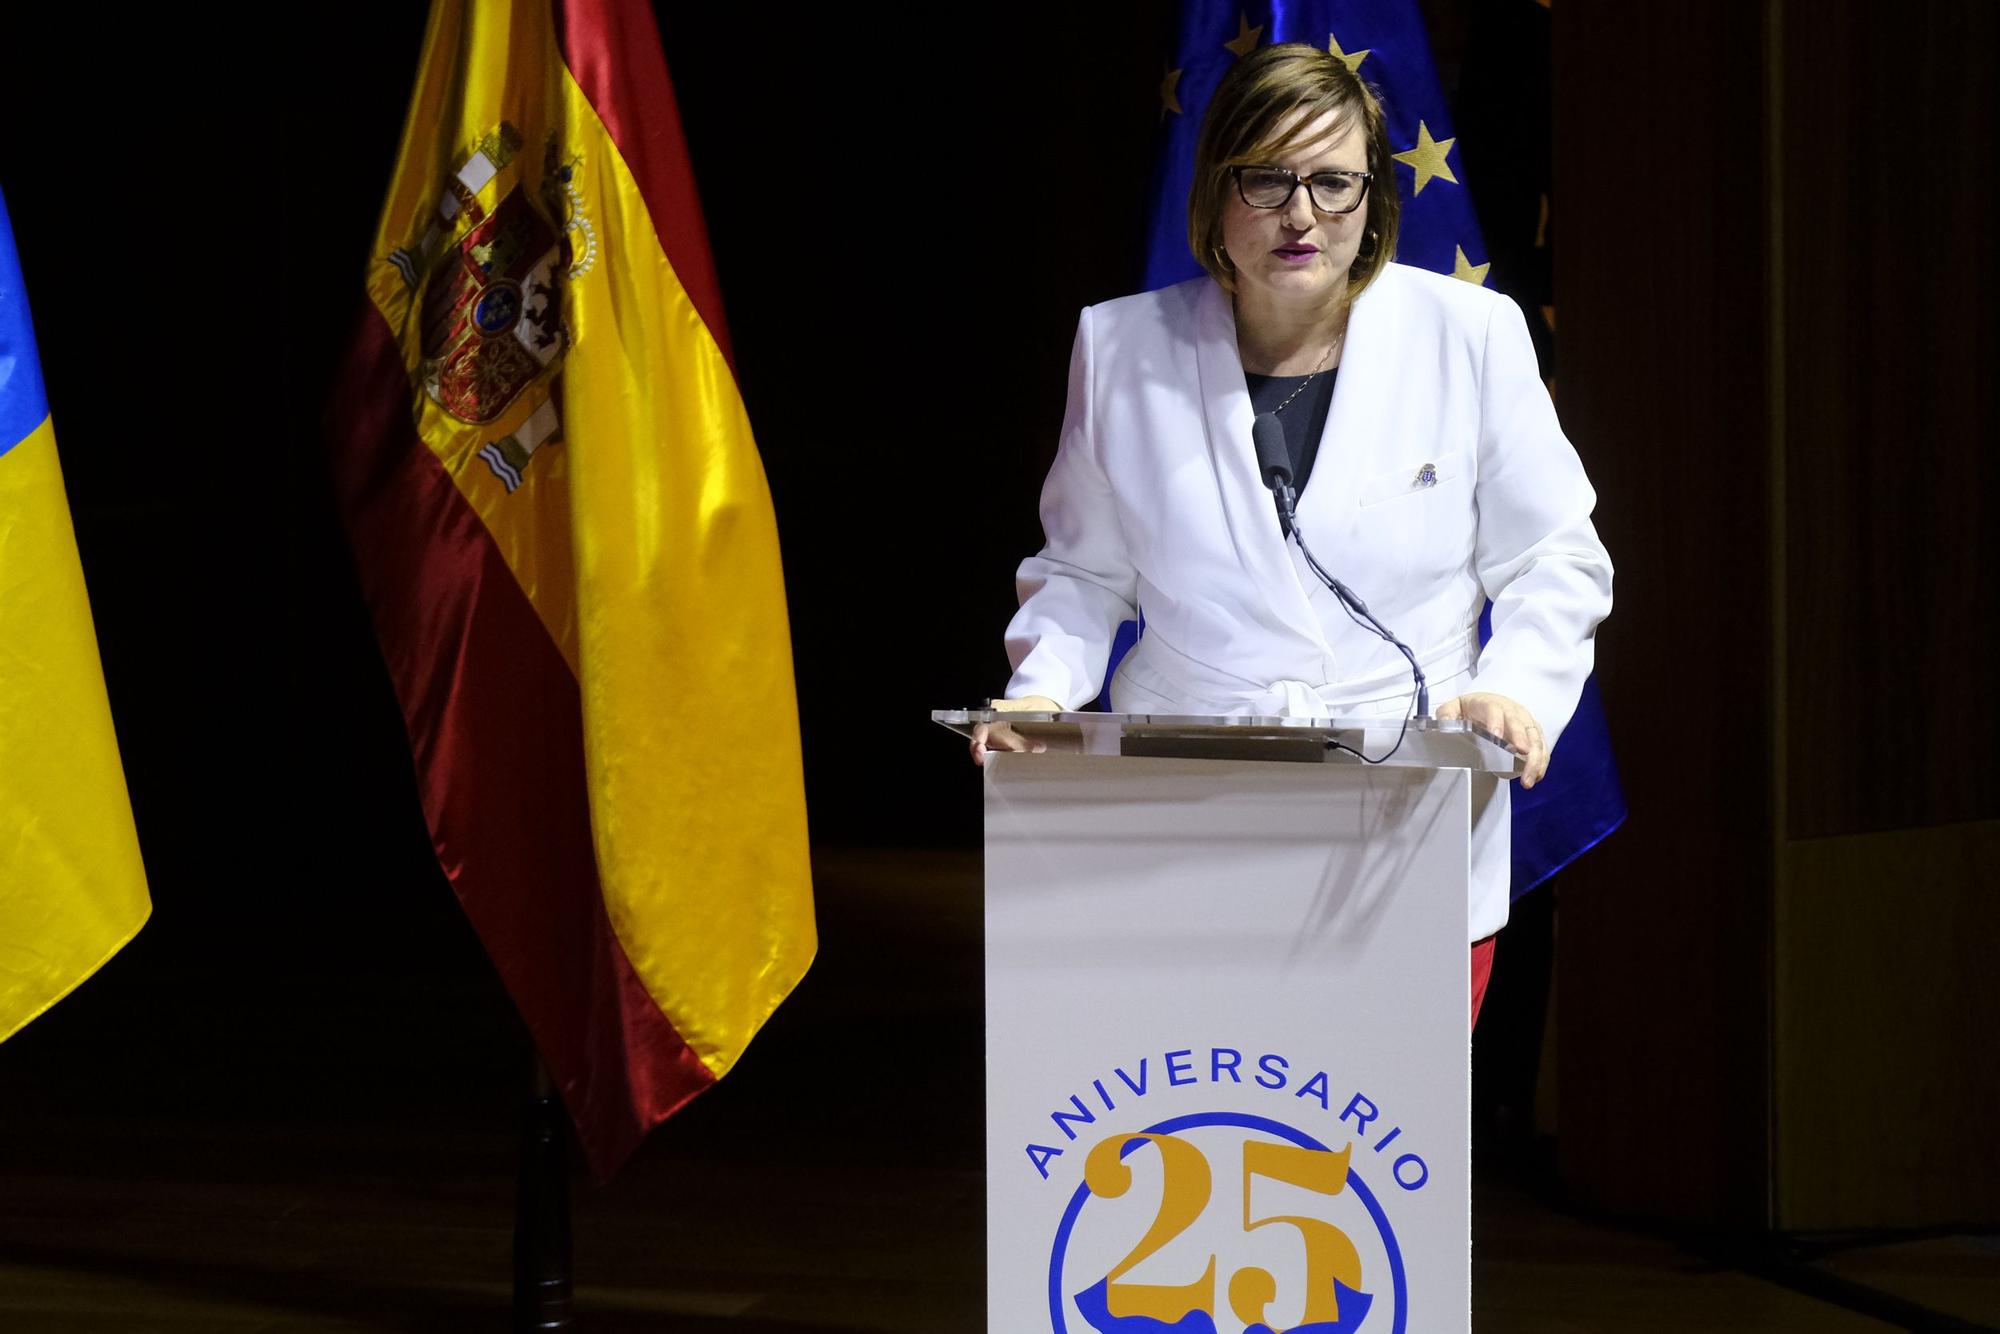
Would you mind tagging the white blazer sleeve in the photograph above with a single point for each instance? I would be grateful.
(1537, 553)
(1082, 585)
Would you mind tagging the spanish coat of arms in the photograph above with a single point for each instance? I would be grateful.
(490, 299)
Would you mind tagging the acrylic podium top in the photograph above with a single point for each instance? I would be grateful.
(1428, 743)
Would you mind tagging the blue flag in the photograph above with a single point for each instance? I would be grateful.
(1381, 40)
(1580, 801)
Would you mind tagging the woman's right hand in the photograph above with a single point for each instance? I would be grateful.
(999, 736)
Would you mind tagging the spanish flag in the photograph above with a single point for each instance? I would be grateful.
(72, 887)
(566, 543)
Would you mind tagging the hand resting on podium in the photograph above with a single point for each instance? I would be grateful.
(999, 736)
(1499, 717)
(1508, 721)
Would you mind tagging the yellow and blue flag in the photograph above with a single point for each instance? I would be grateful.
(1580, 801)
(72, 887)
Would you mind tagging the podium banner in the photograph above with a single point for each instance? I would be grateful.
(1227, 1048)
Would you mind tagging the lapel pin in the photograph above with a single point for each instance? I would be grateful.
(1427, 475)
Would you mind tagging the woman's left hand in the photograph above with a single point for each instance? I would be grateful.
(1508, 721)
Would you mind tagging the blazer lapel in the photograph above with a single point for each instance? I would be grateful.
(1356, 419)
(1246, 503)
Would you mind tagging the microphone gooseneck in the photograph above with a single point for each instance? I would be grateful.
(1274, 465)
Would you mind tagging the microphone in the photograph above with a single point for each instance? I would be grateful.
(1274, 463)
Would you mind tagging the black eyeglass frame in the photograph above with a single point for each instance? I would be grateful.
(1366, 178)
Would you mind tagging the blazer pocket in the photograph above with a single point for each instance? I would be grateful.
(1414, 479)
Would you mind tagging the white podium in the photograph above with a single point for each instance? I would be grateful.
(1227, 1063)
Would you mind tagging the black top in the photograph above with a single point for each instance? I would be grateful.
(1304, 418)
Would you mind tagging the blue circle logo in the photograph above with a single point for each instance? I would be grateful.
(1339, 1296)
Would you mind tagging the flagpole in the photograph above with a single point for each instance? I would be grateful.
(541, 1213)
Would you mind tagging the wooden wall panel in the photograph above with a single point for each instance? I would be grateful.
(1774, 277)
(1887, 167)
(1659, 291)
(1886, 1076)
(1885, 907)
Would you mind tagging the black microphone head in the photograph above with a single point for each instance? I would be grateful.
(1274, 460)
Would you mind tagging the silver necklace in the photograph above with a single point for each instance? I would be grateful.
(1309, 379)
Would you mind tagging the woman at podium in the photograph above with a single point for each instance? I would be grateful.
(1429, 469)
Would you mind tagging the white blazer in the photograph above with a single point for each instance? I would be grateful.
(1442, 480)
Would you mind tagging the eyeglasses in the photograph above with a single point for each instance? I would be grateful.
(1330, 191)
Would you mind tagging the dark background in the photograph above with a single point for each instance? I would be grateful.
(902, 358)
(1811, 383)
(193, 249)
(193, 229)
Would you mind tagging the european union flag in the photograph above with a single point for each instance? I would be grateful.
(1580, 801)
(1382, 42)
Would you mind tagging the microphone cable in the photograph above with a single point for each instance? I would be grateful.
(1357, 611)
(1267, 435)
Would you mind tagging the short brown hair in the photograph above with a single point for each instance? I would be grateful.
(1241, 129)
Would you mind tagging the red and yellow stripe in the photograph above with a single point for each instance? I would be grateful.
(594, 668)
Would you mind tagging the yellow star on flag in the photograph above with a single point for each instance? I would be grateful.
(1169, 94)
(1427, 159)
(1462, 267)
(1353, 61)
(1246, 37)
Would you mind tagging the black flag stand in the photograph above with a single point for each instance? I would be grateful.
(541, 1214)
